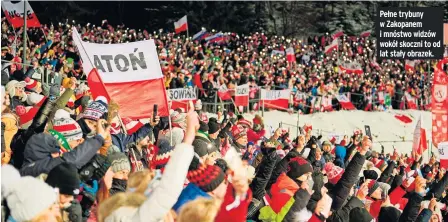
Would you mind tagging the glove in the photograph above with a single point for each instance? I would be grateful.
(74, 212)
(90, 169)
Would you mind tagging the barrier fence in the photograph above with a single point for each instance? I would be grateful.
(306, 103)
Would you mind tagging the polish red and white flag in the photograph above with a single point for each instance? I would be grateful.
(181, 25)
(345, 102)
(276, 99)
(242, 95)
(332, 46)
(130, 72)
(14, 11)
(290, 56)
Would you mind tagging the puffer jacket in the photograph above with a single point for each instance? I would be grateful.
(38, 150)
(9, 129)
(287, 200)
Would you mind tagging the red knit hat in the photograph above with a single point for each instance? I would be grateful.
(238, 132)
(131, 126)
(31, 84)
(334, 173)
(245, 122)
(380, 164)
(208, 178)
(26, 115)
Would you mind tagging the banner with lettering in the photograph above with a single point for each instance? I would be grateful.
(275, 99)
(439, 105)
(242, 95)
(179, 97)
(14, 14)
(443, 154)
(131, 73)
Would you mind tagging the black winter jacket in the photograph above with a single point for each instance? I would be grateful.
(348, 179)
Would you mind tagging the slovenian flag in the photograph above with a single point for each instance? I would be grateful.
(218, 37)
(200, 35)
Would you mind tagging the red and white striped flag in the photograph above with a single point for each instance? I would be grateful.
(338, 34)
(365, 34)
(326, 103)
(345, 102)
(331, 47)
(224, 93)
(290, 56)
(410, 100)
(181, 25)
(242, 95)
(409, 65)
(419, 143)
(276, 99)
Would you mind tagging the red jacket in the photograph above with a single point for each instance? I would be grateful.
(237, 214)
(253, 136)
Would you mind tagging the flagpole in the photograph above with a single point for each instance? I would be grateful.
(24, 34)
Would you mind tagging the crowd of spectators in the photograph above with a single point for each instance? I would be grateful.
(257, 58)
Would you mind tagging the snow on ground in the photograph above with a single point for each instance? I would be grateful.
(385, 128)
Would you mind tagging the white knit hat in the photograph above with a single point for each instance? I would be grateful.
(69, 128)
(25, 203)
(35, 99)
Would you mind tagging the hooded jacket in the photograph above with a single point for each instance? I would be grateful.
(39, 148)
(287, 199)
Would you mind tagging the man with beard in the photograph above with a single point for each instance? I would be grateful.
(139, 153)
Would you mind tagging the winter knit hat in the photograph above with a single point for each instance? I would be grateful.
(370, 174)
(178, 119)
(65, 177)
(203, 147)
(32, 84)
(389, 214)
(96, 109)
(213, 127)
(69, 128)
(334, 173)
(34, 99)
(380, 164)
(238, 132)
(11, 87)
(372, 185)
(131, 126)
(119, 162)
(245, 122)
(26, 115)
(163, 154)
(208, 178)
(25, 203)
(298, 166)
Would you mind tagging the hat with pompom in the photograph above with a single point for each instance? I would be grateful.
(96, 109)
(26, 115)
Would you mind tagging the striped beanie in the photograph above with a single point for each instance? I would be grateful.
(69, 128)
(372, 185)
(96, 109)
(26, 115)
(206, 177)
(119, 162)
(163, 154)
(32, 84)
